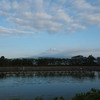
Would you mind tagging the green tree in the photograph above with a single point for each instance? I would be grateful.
(91, 60)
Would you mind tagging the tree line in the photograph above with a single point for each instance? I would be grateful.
(74, 61)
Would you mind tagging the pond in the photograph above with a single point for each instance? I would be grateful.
(47, 84)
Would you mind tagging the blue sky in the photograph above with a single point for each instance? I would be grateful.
(49, 28)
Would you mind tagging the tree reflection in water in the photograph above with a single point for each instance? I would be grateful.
(74, 74)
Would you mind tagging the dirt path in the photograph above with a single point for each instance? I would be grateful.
(51, 68)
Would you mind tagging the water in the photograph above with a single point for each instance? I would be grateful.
(27, 86)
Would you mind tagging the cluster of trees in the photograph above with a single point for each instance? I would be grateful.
(74, 61)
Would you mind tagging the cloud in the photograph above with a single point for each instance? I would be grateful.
(90, 19)
(50, 16)
(63, 17)
(4, 14)
(6, 31)
(82, 4)
(15, 4)
(5, 5)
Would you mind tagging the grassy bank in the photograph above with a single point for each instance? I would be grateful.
(93, 94)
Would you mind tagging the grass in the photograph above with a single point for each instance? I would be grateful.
(93, 94)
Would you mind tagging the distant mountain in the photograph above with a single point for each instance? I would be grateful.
(36, 57)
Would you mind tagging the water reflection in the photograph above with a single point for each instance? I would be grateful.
(76, 74)
(47, 83)
(98, 74)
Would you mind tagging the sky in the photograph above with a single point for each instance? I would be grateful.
(49, 28)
